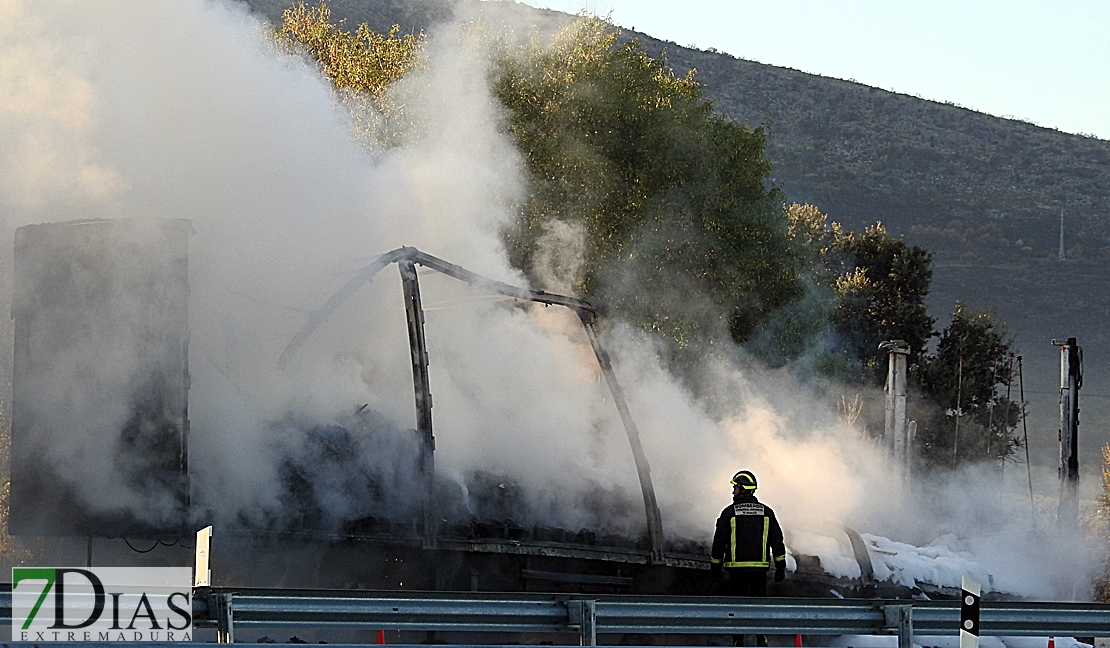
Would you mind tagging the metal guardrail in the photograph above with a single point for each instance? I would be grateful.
(589, 616)
(228, 610)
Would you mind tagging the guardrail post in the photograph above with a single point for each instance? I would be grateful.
(225, 620)
(584, 615)
(900, 617)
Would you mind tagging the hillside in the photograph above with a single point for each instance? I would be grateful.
(985, 194)
(918, 164)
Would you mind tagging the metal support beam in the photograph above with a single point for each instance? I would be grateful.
(862, 556)
(225, 618)
(320, 315)
(366, 274)
(422, 387)
(900, 619)
(583, 614)
(643, 468)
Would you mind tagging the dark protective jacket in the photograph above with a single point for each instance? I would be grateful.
(745, 531)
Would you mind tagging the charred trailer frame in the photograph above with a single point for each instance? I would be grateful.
(406, 259)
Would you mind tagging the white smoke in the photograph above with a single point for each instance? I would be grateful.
(186, 110)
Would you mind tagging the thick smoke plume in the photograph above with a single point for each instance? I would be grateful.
(187, 110)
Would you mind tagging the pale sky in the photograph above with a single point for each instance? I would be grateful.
(1047, 62)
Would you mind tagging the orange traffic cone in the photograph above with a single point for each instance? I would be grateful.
(1051, 643)
(798, 641)
(381, 637)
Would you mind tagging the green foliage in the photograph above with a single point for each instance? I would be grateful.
(664, 199)
(1101, 523)
(360, 65)
(882, 283)
(967, 377)
(362, 61)
(680, 234)
(808, 227)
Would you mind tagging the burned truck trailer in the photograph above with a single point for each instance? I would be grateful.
(438, 549)
(101, 430)
(100, 434)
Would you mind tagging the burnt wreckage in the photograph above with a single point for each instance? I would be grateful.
(65, 274)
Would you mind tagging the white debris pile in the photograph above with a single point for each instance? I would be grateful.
(836, 556)
(936, 564)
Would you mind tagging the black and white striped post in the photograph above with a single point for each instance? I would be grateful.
(969, 614)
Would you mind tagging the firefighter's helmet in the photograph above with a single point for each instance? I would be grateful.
(745, 480)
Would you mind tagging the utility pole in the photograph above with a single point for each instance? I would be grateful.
(1061, 253)
(1071, 379)
(898, 436)
(959, 408)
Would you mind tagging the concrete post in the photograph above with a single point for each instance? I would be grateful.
(895, 434)
(1071, 379)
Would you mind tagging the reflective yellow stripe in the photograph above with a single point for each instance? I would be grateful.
(754, 563)
(781, 558)
(732, 547)
(766, 531)
(714, 561)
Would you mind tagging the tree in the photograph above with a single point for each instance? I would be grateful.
(876, 285)
(664, 203)
(881, 282)
(360, 64)
(680, 233)
(1101, 520)
(363, 61)
(967, 379)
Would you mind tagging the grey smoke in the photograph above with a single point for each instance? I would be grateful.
(185, 110)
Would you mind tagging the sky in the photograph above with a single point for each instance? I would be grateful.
(1032, 60)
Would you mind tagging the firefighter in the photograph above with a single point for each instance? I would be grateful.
(747, 540)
